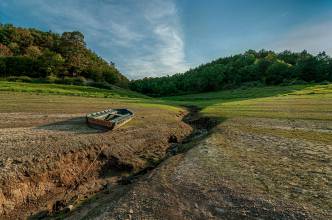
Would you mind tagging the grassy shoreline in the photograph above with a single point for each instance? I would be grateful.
(310, 101)
(71, 90)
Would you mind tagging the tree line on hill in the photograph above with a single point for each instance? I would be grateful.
(251, 69)
(27, 52)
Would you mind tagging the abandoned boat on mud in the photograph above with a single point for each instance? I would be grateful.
(110, 118)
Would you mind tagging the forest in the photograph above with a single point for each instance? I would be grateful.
(27, 53)
(252, 68)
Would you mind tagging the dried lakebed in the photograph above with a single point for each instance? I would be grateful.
(240, 170)
(50, 158)
(244, 167)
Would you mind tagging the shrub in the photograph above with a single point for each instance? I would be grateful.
(73, 80)
(325, 82)
(293, 82)
(52, 79)
(12, 78)
(20, 79)
(252, 84)
(101, 85)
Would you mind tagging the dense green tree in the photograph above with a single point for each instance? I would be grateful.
(250, 68)
(2, 67)
(277, 73)
(5, 51)
(15, 48)
(20, 66)
(50, 63)
(35, 53)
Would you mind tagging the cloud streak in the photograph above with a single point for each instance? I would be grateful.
(166, 48)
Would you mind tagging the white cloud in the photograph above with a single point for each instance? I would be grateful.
(143, 38)
(167, 53)
(312, 37)
(162, 50)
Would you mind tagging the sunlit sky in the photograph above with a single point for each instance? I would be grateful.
(163, 37)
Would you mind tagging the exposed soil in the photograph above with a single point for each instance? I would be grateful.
(124, 174)
(232, 172)
(171, 165)
(50, 160)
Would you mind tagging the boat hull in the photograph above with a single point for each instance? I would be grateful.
(110, 118)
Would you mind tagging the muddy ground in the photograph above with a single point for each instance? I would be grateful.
(50, 158)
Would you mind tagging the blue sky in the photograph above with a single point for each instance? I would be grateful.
(160, 37)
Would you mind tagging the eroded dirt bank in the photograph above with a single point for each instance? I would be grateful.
(124, 175)
(50, 160)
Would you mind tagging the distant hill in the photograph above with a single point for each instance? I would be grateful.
(251, 68)
(58, 58)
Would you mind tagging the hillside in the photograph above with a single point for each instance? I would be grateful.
(69, 90)
(250, 69)
(60, 58)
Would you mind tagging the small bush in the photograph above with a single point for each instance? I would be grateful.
(293, 82)
(52, 79)
(325, 82)
(101, 85)
(24, 79)
(80, 81)
(20, 79)
(227, 86)
(74, 80)
(11, 78)
(251, 84)
(39, 80)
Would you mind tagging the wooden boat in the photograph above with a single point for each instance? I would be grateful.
(110, 118)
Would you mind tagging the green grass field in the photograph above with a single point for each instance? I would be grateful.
(71, 90)
(298, 101)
